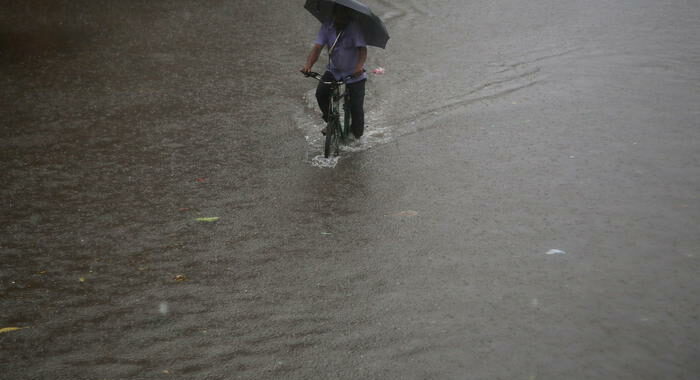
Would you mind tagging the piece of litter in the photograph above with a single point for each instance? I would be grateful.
(81, 279)
(9, 329)
(180, 277)
(208, 219)
(378, 71)
(201, 180)
(326, 233)
(556, 252)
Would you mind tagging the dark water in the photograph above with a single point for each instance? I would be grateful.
(500, 130)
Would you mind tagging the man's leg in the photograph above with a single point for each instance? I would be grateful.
(323, 94)
(357, 110)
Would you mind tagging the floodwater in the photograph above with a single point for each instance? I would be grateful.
(500, 132)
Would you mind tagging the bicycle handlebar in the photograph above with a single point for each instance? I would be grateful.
(317, 76)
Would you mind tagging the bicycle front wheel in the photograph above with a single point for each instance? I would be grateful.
(330, 132)
(333, 136)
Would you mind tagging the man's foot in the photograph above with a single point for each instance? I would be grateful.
(358, 135)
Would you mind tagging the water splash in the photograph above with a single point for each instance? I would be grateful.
(322, 162)
(308, 120)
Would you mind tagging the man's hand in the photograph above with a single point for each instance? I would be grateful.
(362, 57)
(313, 57)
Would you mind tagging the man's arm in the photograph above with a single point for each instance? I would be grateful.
(313, 57)
(359, 68)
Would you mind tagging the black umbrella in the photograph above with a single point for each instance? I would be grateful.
(372, 27)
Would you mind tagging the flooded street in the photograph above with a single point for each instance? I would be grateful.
(524, 203)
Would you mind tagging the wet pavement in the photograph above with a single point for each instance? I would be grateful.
(500, 131)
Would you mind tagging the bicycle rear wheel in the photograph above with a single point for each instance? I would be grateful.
(346, 118)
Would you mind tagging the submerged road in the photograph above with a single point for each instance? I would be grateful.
(524, 204)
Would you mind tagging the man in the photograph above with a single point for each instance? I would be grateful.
(348, 53)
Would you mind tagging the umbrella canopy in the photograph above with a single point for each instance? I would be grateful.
(372, 27)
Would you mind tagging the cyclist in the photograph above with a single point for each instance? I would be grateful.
(348, 53)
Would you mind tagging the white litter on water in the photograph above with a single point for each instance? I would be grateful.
(322, 162)
(556, 252)
(163, 308)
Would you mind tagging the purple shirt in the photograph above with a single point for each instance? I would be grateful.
(346, 53)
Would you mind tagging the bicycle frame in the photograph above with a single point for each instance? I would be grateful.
(336, 132)
(334, 112)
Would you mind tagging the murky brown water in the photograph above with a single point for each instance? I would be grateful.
(500, 130)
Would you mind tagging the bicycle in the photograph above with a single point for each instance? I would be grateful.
(335, 131)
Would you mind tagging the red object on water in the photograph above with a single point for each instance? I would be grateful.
(201, 180)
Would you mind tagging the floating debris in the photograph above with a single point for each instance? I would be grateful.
(208, 219)
(556, 252)
(378, 71)
(180, 277)
(9, 329)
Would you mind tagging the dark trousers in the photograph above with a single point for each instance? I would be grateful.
(357, 99)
